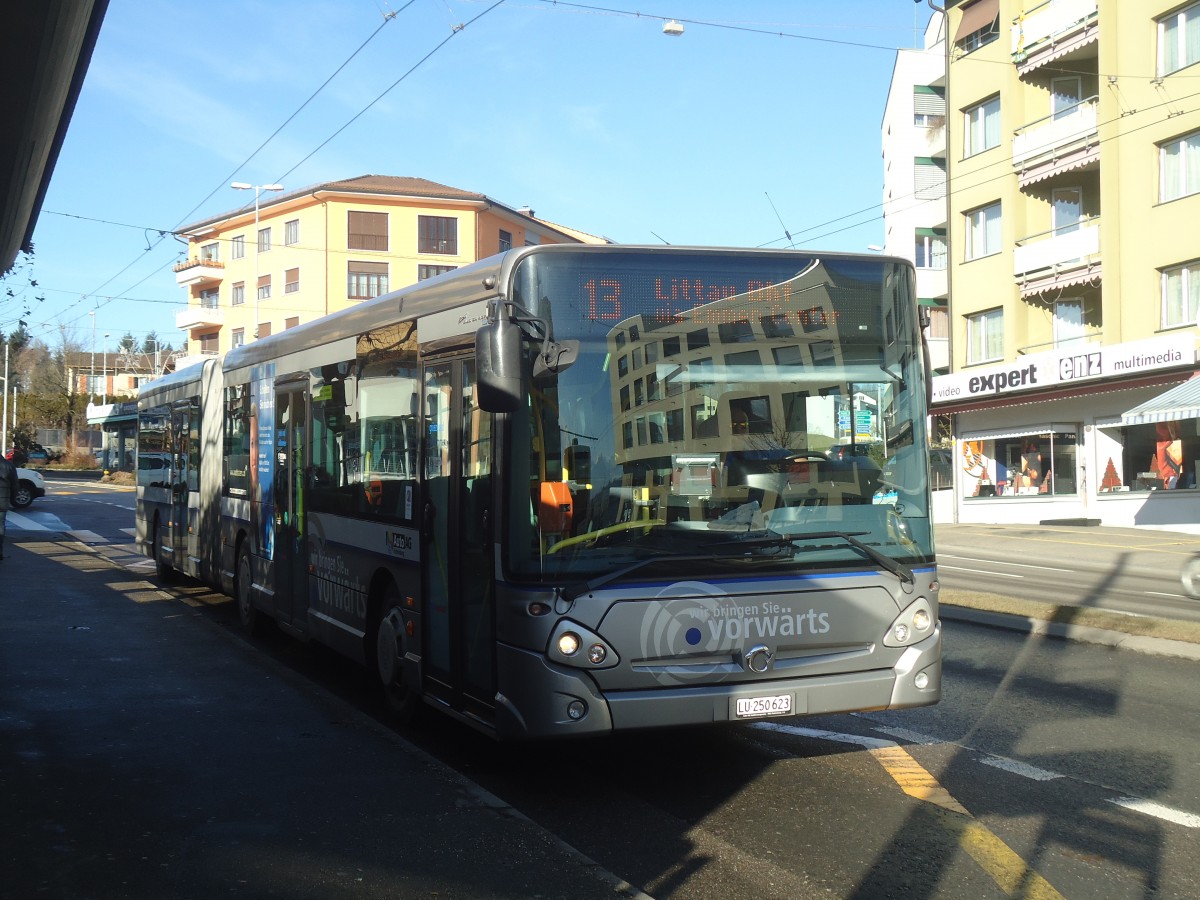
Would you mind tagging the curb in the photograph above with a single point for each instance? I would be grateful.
(1081, 633)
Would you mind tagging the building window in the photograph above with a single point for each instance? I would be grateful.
(210, 299)
(237, 247)
(1179, 39)
(367, 231)
(1180, 295)
(291, 231)
(981, 126)
(264, 240)
(209, 343)
(985, 336)
(505, 240)
(237, 295)
(979, 25)
(291, 322)
(983, 232)
(930, 249)
(211, 252)
(264, 329)
(1179, 166)
(1069, 325)
(264, 287)
(238, 337)
(424, 272)
(291, 281)
(929, 106)
(929, 178)
(366, 280)
(437, 234)
(939, 323)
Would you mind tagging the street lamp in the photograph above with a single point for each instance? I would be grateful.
(104, 373)
(258, 189)
(92, 380)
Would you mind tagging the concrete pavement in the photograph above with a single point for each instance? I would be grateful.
(144, 753)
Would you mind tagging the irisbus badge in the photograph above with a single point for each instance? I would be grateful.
(402, 544)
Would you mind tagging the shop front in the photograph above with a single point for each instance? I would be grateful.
(1104, 435)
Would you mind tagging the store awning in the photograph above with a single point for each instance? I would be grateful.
(1180, 402)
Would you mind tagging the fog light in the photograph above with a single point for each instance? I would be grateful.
(596, 654)
(921, 620)
(576, 710)
(921, 681)
(900, 632)
(568, 643)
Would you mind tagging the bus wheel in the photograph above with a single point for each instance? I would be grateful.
(249, 616)
(389, 659)
(161, 568)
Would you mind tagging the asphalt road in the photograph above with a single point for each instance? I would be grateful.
(1050, 768)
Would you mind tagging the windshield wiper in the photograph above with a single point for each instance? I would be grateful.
(571, 591)
(901, 571)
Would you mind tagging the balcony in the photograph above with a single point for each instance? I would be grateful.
(199, 316)
(198, 272)
(1053, 30)
(1057, 260)
(1061, 142)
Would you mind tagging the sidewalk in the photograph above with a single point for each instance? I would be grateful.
(146, 753)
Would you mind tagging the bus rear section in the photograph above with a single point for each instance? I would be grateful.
(179, 471)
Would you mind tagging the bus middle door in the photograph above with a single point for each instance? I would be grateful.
(182, 477)
(291, 556)
(457, 562)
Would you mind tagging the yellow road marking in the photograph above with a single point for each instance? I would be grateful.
(1002, 864)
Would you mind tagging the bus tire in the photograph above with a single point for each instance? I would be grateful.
(162, 568)
(248, 614)
(389, 643)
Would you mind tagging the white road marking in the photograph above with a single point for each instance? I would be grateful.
(979, 571)
(1019, 768)
(976, 559)
(1150, 808)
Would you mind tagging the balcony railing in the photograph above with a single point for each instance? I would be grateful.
(198, 271)
(1059, 136)
(1058, 259)
(1050, 30)
(199, 316)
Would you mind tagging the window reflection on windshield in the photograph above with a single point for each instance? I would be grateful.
(784, 404)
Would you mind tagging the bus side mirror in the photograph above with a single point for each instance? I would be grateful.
(498, 358)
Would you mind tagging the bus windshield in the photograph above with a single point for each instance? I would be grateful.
(720, 400)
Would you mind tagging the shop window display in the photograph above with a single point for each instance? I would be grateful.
(1028, 465)
(1155, 457)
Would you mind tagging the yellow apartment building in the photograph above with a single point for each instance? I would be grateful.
(288, 257)
(1073, 156)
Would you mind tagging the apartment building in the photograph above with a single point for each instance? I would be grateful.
(1073, 157)
(293, 256)
(914, 178)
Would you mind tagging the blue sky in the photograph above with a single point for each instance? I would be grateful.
(761, 120)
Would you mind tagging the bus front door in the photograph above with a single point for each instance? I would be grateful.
(291, 557)
(458, 568)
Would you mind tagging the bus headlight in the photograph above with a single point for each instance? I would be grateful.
(568, 643)
(568, 638)
(910, 626)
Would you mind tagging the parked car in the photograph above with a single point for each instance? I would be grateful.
(37, 455)
(30, 486)
(868, 449)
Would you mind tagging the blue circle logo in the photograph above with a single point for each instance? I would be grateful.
(693, 636)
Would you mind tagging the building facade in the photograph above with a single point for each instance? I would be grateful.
(1073, 155)
(293, 256)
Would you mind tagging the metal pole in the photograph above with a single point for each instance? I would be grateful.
(92, 382)
(4, 417)
(257, 248)
(104, 373)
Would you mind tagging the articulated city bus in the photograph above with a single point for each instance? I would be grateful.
(569, 489)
